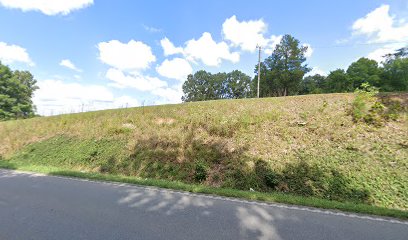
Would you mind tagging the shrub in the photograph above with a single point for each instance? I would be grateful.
(265, 173)
(108, 166)
(200, 173)
(366, 107)
(271, 179)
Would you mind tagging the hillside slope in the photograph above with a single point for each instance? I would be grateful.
(306, 145)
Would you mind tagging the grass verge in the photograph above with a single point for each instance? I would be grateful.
(257, 196)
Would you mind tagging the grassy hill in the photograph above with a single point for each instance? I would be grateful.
(303, 145)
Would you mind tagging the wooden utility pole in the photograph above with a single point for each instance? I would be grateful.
(259, 67)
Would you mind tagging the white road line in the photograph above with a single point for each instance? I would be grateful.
(229, 199)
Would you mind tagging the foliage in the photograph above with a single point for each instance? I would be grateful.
(338, 81)
(283, 71)
(366, 107)
(237, 85)
(206, 86)
(390, 76)
(200, 173)
(395, 76)
(16, 91)
(364, 70)
(312, 84)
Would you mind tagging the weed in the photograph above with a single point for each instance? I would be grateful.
(119, 130)
(200, 173)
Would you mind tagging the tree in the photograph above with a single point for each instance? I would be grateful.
(238, 85)
(364, 70)
(395, 74)
(197, 87)
(312, 84)
(285, 68)
(16, 91)
(206, 86)
(399, 53)
(338, 81)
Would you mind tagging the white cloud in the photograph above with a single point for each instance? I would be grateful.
(151, 29)
(169, 48)
(378, 54)
(133, 56)
(309, 50)
(134, 80)
(169, 94)
(12, 53)
(316, 70)
(125, 101)
(273, 41)
(379, 26)
(152, 85)
(248, 34)
(208, 51)
(48, 7)
(67, 63)
(57, 97)
(205, 49)
(245, 34)
(177, 68)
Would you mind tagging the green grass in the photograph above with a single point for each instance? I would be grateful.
(255, 196)
(304, 146)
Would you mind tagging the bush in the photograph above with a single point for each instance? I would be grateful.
(109, 166)
(265, 173)
(271, 179)
(366, 107)
(200, 173)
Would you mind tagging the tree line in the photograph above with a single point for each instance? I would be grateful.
(390, 77)
(284, 73)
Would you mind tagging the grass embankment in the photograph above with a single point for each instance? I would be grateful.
(301, 150)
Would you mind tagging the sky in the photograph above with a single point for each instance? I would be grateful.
(100, 54)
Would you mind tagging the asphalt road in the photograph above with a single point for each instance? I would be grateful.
(34, 206)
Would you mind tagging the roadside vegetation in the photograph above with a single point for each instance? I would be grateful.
(311, 146)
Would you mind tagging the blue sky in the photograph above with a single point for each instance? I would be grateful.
(98, 54)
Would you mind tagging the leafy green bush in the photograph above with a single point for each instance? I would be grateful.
(200, 173)
(366, 106)
(271, 179)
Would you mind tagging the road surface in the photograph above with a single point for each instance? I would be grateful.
(34, 206)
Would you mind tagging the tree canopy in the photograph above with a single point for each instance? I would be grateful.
(203, 85)
(364, 70)
(16, 91)
(391, 75)
(395, 73)
(282, 72)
